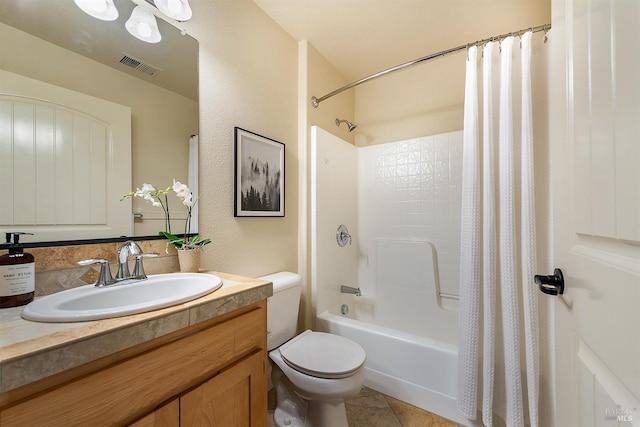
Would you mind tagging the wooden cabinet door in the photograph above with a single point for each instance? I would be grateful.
(236, 397)
(165, 416)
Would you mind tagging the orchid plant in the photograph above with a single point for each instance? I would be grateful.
(159, 198)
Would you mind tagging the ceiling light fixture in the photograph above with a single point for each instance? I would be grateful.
(143, 25)
(175, 9)
(100, 9)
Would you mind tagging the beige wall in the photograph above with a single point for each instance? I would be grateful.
(323, 78)
(248, 78)
(159, 134)
(428, 99)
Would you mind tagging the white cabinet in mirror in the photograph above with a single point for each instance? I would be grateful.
(64, 157)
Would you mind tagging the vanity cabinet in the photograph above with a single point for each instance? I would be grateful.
(167, 415)
(212, 373)
(230, 398)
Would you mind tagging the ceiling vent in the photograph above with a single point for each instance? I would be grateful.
(139, 65)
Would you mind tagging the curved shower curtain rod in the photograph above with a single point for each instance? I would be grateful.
(316, 101)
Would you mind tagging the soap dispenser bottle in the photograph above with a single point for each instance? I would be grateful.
(17, 274)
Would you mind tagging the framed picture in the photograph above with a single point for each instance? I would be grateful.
(259, 179)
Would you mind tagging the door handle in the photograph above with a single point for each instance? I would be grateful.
(551, 285)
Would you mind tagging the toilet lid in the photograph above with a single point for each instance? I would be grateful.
(323, 355)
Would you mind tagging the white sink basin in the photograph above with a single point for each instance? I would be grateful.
(92, 303)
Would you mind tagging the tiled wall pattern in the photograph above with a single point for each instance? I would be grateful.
(412, 190)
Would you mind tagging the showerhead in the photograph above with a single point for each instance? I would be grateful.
(350, 125)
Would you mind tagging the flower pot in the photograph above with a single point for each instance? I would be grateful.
(189, 260)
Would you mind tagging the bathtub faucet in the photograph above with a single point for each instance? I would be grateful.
(349, 290)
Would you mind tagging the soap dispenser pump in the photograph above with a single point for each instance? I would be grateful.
(17, 274)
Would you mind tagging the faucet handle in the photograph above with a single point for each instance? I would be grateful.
(104, 278)
(342, 236)
(138, 271)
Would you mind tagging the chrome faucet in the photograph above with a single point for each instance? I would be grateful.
(350, 290)
(129, 247)
(124, 275)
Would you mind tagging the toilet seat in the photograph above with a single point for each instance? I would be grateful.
(323, 355)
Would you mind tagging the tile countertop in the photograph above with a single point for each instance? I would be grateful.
(30, 351)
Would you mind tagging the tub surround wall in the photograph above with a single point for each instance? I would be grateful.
(406, 190)
(405, 291)
(399, 195)
(411, 190)
(334, 202)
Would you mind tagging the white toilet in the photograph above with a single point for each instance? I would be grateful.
(314, 372)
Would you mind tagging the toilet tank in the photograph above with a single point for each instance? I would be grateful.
(282, 307)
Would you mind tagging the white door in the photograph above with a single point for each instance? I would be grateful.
(595, 139)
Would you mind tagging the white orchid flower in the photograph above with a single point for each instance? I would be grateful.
(180, 188)
(159, 198)
(146, 190)
(183, 192)
(188, 200)
(149, 193)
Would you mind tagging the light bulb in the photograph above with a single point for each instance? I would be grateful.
(143, 25)
(175, 9)
(144, 29)
(98, 6)
(174, 6)
(104, 10)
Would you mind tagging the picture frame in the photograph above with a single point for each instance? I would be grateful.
(259, 175)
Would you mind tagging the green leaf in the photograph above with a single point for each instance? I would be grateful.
(173, 239)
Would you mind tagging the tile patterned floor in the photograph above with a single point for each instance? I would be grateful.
(373, 409)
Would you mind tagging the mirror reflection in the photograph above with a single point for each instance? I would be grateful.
(56, 46)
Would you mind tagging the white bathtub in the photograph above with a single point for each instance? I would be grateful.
(415, 369)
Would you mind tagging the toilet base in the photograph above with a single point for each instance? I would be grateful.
(322, 413)
(292, 410)
(287, 417)
(318, 414)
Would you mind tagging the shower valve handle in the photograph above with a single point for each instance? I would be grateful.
(551, 285)
(342, 236)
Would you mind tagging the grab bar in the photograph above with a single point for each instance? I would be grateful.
(350, 290)
(356, 291)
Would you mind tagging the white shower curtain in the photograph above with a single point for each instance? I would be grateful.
(498, 300)
(193, 182)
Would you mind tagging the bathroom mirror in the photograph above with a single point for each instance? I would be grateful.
(55, 42)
